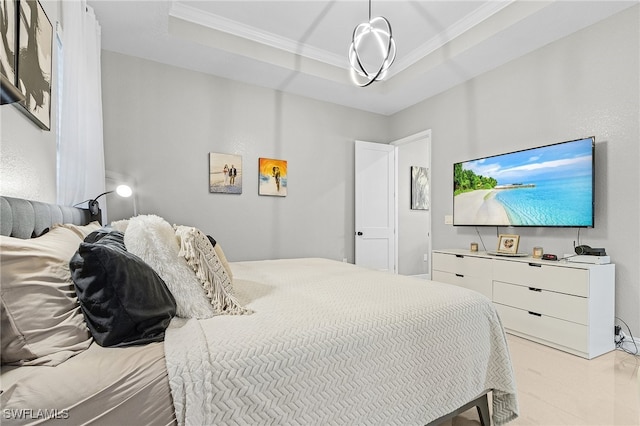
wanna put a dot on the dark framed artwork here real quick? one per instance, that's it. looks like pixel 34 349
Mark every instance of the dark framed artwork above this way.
pixel 419 188
pixel 225 173
pixel 34 62
pixel 9 51
pixel 9 48
pixel 273 177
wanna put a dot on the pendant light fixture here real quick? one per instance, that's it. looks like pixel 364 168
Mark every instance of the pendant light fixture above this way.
pixel 372 50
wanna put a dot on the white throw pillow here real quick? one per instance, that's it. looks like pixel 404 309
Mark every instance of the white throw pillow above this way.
pixel 153 239
pixel 120 225
pixel 209 268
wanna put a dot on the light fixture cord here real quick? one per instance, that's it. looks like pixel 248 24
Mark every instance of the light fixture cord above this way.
pixel 369 10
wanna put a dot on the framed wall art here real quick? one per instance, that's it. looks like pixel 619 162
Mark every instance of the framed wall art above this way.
pixel 225 173
pixel 419 188
pixel 273 177
pixel 34 62
pixel 9 51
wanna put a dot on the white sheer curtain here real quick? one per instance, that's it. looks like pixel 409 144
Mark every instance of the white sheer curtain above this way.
pixel 81 173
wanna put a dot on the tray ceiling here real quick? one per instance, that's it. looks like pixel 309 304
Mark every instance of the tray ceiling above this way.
pixel 300 46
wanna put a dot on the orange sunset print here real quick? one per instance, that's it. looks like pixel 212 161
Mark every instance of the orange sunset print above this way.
pixel 273 177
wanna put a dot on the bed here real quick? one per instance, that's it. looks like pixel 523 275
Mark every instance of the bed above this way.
pixel 288 341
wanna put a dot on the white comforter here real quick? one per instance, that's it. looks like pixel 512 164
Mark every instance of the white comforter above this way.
pixel 332 343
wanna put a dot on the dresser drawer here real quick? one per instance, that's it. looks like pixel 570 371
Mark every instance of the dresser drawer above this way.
pixel 481 285
pixel 553 331
pixel 557 305
pixel 547 277
pixel 463 265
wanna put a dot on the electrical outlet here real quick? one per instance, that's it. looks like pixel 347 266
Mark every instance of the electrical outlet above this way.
pixel 618 338
pixel 448 219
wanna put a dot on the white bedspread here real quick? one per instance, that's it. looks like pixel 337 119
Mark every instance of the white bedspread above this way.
pixel 332 343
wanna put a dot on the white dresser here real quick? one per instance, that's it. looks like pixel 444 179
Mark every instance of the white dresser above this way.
pixel 569 306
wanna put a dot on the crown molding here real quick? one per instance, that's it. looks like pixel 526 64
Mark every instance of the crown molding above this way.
pixel 198 16
pixel 450 33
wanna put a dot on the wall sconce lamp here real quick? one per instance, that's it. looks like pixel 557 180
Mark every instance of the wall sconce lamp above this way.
pixel 122 190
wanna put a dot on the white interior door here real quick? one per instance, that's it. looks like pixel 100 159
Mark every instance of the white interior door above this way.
pixel 375 206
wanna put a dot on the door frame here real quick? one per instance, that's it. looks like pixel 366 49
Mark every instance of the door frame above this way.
pixel 423 135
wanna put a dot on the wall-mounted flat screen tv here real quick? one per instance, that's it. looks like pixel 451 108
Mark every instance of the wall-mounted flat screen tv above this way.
pixel 551 185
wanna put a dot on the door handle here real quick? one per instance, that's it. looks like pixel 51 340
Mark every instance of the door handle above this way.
pixel 359 233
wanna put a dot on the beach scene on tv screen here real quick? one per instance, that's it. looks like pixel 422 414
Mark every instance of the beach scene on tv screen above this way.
pixel 546 186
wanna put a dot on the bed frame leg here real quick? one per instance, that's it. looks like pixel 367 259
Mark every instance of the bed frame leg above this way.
pixel 483 410
pixel 482 405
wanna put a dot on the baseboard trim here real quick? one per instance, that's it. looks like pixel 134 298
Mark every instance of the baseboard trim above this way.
pixel 630 345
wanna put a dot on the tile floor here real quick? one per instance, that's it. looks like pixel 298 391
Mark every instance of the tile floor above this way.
pixel 556 388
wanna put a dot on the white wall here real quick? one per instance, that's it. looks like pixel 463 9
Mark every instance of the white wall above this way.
pixel 161 123
pixel 584 85
pixel 27 153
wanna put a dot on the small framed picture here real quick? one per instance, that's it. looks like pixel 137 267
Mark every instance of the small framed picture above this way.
pixel 508 243
pixel 419 188
pixel 273 177
pixel 225 173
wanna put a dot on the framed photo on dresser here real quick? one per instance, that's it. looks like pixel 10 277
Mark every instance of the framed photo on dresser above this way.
pixel 508 243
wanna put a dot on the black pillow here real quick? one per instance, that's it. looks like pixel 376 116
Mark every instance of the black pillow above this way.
pixel 123 300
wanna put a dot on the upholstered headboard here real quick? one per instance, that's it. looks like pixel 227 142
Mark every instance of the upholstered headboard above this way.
pixel 21 218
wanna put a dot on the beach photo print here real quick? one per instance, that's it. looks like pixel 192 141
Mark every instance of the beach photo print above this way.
pixel 225 173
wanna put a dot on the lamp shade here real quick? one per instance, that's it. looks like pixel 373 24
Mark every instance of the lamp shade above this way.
pixel 124 191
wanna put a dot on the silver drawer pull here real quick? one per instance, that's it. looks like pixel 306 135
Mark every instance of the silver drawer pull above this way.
pixel 535 289
pixel 535 314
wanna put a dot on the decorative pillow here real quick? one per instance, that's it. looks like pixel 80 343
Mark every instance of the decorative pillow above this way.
pixel 120 225
pixel 200 254
pixel 221 256
pixel 153 239
pixel 124 301
pixel 81 230
pixel 42 323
